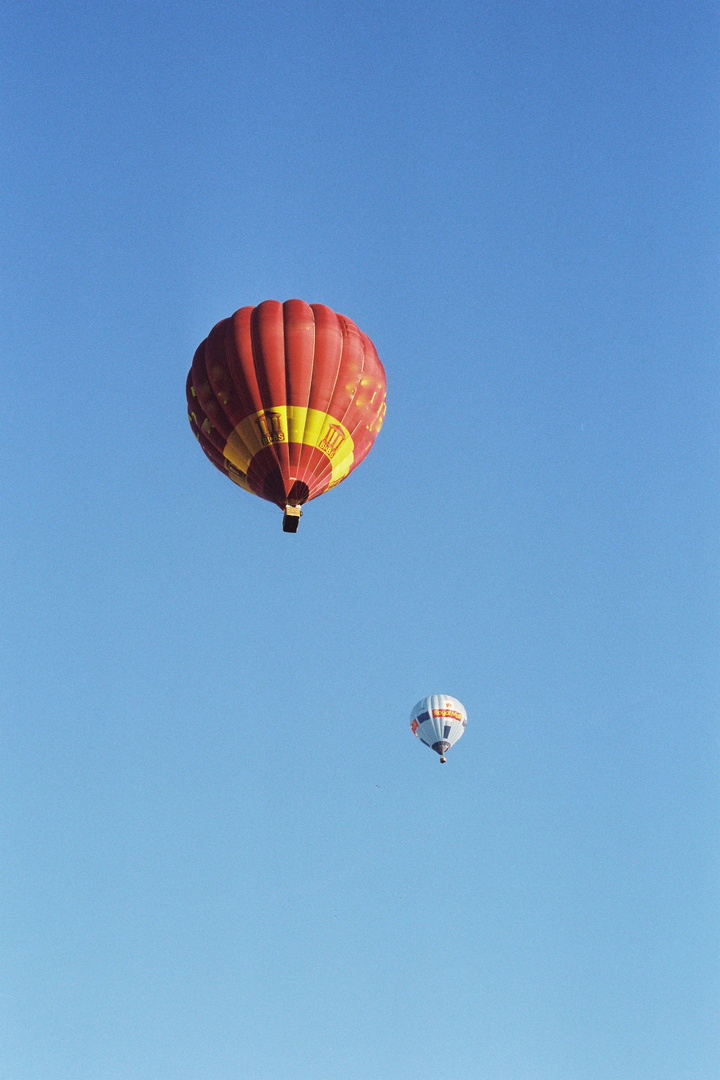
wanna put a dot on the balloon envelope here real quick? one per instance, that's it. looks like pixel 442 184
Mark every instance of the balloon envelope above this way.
pixel 286 399
pixel 438 721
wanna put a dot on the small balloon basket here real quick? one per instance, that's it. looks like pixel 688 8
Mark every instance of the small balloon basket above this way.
pixel 291 518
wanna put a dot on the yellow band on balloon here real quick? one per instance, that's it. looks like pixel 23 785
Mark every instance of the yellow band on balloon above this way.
pixel 291 423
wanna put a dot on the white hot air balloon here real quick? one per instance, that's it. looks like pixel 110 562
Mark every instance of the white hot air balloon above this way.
pixel 438 721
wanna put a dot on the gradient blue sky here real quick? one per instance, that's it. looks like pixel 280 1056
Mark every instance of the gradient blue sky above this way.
pixel 225 856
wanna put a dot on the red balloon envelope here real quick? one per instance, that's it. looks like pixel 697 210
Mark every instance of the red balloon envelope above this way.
pixel 286 400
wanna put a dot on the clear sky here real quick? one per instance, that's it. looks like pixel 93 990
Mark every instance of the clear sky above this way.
pixel 225 856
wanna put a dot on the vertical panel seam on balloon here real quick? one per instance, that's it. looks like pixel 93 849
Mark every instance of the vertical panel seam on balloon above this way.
pixel 230 338
pixel 273 447
pixel 312 373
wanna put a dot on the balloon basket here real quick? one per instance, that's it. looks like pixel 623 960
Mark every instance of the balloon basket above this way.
pixel 291 519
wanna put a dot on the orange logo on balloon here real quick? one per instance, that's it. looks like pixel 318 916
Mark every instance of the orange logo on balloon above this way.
pixel 270 428
pixel 334 437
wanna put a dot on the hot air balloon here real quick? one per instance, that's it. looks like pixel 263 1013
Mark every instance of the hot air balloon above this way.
pixel 438 721
pixel 286 400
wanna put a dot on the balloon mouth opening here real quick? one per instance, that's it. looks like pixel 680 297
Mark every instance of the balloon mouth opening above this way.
pixel 299 493
pixel 274 489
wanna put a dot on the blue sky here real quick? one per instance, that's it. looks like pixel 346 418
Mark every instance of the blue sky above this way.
pixel 226 858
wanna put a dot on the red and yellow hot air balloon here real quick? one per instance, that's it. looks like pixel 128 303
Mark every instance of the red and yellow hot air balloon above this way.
pixel 286 400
